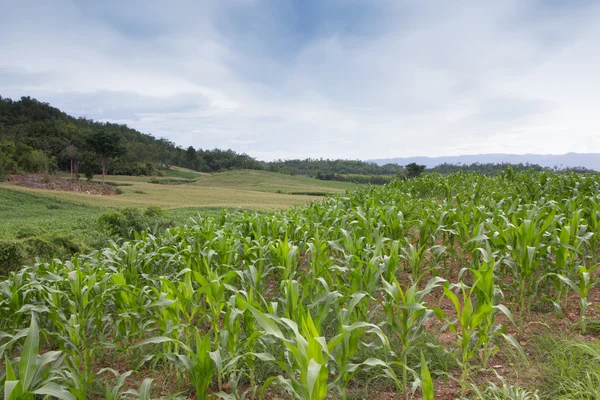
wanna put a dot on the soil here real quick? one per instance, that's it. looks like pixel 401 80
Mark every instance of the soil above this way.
pixel 49 182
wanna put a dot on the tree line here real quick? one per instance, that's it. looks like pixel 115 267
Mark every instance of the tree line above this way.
pixel 36 137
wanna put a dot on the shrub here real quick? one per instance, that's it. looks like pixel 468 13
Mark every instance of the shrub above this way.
pixel 63 243
pixel 130 219
pixel 41 248
pixel 12 255
pixel 27 231
pixel 154 212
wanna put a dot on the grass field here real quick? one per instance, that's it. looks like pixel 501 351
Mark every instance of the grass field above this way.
pixel 248 189
pixel 264 181
pixel 179 172
pixel 29 216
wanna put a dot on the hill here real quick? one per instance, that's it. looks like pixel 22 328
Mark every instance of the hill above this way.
pixel 569 160
pixel 36 137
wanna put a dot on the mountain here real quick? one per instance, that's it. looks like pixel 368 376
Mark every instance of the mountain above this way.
pixel 569 160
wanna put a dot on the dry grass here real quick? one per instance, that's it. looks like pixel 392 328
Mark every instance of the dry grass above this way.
pixel 247 189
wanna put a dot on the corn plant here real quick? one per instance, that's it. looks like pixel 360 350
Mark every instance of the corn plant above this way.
pixel 197 364
pixel 407 314
pixel 115 392
pixel 581 285
pixel 308 358
pixel 36 373
pixel 469 326
pixel 486 294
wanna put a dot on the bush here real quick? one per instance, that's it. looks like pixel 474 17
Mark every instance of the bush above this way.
pixel 27 231
pixel 34 244
pixel 154 212
pixel 12 255
pixel 63 243
pixel 128 220
pixel 42 248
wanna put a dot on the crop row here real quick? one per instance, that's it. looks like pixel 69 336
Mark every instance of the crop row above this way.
pixel 317 301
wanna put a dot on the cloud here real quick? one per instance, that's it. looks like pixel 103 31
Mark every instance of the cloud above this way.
pixel 287 79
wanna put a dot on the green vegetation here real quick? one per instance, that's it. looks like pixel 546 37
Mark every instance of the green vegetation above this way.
pixel 425 286
pixel 497 168
pixel 47 224
pixel 333 169
pixel 36 137
pixel 263 181
pixel 571 368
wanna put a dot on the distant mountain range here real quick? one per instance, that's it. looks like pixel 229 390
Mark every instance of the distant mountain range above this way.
pixel 586 160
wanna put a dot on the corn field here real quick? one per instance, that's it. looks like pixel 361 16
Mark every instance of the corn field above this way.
pixel 398 289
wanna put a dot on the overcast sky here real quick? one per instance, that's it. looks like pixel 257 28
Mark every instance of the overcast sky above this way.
pixel 325 78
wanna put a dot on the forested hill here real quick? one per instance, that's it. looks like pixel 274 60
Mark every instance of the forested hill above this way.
pixel 36 137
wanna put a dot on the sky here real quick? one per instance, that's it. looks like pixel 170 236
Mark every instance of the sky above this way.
pixel 279 79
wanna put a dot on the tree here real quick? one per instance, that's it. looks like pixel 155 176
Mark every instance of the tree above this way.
pixel 105 142
pixel 191 158
pixel 413 170
pixel 73 154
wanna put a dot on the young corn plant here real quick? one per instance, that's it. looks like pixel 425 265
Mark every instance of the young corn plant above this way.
pixel 344 353
pixel 285 256
pixel 115 392
pixel 526 246
pixel 196 363
pixel 584 281
pixel 469 327
pixel 36 373
pixel 407 314
pixel 486 294
pixel 308 358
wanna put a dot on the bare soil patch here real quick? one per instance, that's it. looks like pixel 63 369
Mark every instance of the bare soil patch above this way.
pixel 49 182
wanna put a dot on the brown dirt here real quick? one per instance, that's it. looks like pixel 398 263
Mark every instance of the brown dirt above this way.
pixel 49 182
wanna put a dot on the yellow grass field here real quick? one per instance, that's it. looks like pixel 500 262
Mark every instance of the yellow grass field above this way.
pixel 241 188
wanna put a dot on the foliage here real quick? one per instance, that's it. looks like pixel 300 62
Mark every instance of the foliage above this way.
pixel 129 220
pixel 12 254
pixel 413 170
pixel 572 368
pixel 324 300
pixel 36 136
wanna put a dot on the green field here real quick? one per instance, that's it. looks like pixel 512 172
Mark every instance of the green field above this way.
pixel 48 223
pixel 441 287
pixel 240 188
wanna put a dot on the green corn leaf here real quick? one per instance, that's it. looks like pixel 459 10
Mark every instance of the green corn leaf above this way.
pixel 12 390
pixel 10 372
pixel 426 381
pixel 313 373
pixel 267 323
pixel 54 390
pixel 161 339
pixel 513 342
pixel 29 355
pixel 145 389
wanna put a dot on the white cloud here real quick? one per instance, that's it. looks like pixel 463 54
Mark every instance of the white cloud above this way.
pixel 427 78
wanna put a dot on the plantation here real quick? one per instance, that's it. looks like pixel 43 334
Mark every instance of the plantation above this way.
pixel 458 286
